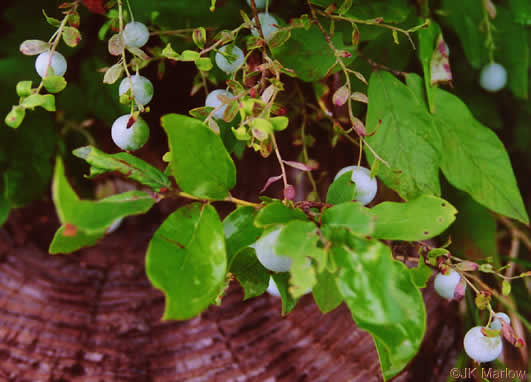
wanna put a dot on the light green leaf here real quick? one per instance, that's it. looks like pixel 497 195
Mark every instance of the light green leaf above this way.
pixel 251 274
pixel 404 136
pixel 422 218
pixel 350 215
pixel 298 240
pixel 186 259
pixel 124 163
pixel 70 243
pixel 427 37
pixel 421 273
pixel 15 117
pixel 240 231
pixel 325 292
pixel 54 84
pixel 277 213
pixel 47 101
pixel 343 189
pixel 199 162
pixel 383 300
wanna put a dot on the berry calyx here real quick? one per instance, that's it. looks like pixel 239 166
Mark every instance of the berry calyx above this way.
pixel 445 284
pixel 229 65
pixel 268 257
pixel 493 77
pixel 142 88
pixel 212 100
pixel 57 65
pixel 480 347
pixel 366 186
pixel 129 135
pixel 135 34
pixel 267 22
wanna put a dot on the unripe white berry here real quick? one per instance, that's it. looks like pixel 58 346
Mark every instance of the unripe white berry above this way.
pixel 480 347
pixel 366 186
pixel 212 100
pixel 268 257
pixel 142 88
pixel 272 288
pixel 493 77
pixel 58 64
pixel 268 29
pixel 129 138
pixel 260 4
pixel 445 284
pixel 224 63
pixel 496 324
pixel 135 34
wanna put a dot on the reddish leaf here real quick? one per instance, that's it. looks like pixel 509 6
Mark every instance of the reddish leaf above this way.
pixel 95 6
pixel 289 192
pixel 299 165
pixel 341 95
pixel 459 291
pixel 270 181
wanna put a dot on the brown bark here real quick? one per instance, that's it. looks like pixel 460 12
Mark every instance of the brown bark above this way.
pixel 93 316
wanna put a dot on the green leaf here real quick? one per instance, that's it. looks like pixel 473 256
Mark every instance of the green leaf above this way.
pixel 199 162
pixel 94 216
pixel 521 11
pixel 47 101
pixel 392 11
pixel 124 163
pixel 466 17
pixel 404 136
pixel 383 301
pixel 308 53
pixel 51 20
pixel 186 259
pixel 427 38
pixel 282 281
pixel 326 293
pixel 512 50
pixel 350 215
pixel 190 55
pixel 277 213
pixel 298 240
pixel 71 36
pixel 23 88
pixel 62 244
pixel 54 84
pixel 15 117
pixel 474 159
pixel 204 64
pixel 419 219
pixel 474 231
pixel 279 123
pixel 421 273
pixel 4 209
pixel 343 189
pixel 240 231
pixel 251 274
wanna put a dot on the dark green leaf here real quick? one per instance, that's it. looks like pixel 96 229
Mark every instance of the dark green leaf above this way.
pixel 419 219
pixel 124 163
pixel 521 11
pixel 277 213
pixel 392 11
pixel 350 215
pixel 427 38
pixel 251 274
pixel 308 53
pixel 4 209
pixel 240 231
pixel 186 259
pixel 325 292
pixel 282 282
pixel 199 162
